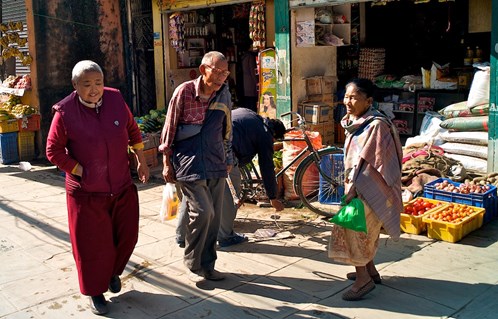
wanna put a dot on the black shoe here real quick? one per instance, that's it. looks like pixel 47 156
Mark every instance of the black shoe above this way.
pixel 98 305
pixel 233 240
pixel 213 275
pixel 180 242
pixel 115 284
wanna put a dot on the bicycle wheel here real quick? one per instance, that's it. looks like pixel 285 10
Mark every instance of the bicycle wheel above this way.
pixel 319 181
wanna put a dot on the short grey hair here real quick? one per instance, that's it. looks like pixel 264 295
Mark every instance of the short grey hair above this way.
pixel 83 67
pixel 212 56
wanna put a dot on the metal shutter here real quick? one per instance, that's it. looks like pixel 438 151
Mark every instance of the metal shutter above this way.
pixel 15 10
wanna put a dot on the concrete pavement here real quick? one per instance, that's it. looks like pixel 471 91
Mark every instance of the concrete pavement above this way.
pixel 287 277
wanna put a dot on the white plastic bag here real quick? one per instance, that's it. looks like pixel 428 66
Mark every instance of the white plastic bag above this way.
pixel 479 89
pixel 169 205
pixel 430 124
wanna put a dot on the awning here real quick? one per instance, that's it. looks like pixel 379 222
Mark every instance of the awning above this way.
pixel 320 3
pixel 184 5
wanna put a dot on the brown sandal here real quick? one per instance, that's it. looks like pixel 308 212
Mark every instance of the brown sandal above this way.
pixel 376 278
pixel 351 295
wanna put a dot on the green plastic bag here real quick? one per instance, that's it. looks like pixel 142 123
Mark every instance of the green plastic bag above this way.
pixel 351 216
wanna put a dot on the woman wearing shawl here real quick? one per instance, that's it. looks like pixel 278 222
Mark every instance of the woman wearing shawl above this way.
pixel 372 163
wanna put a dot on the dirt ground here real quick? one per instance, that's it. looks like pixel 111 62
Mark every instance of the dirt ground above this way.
pixel 251 217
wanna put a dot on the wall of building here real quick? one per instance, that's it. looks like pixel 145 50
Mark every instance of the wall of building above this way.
pixel 160 38
pixel 308 61
pixel 63 32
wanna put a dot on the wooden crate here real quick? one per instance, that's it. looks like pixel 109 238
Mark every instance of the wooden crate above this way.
pixel 150 159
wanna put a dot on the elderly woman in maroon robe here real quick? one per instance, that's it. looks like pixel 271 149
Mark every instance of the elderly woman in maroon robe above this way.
pixel 89 138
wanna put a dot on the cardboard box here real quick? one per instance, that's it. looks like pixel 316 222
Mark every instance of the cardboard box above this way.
pixel 328 138
pixel 329 98
pixel 326 131
pixel 320 85
pixel 316 128
pixel 339 134
pixel 316 113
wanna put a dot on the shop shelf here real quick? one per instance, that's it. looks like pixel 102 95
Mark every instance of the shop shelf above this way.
pixel 414 224
pixel 332 165
pixel 454 232
pixel 487 200
pixel 8 148
pixel 26 145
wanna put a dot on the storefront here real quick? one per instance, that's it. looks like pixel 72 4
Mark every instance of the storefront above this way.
pixel 241 30
pixel 19 115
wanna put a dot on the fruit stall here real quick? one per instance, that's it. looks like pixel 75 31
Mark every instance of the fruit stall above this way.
pixel 450 210
pixel 150 126
pixel 19 121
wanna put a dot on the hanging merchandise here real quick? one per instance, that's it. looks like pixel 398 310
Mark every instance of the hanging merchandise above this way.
pixel 11 42
pixel 177 31
pixel 241 11
pixel 257 32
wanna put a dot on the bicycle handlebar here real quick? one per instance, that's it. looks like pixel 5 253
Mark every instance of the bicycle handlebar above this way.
pixel 301 121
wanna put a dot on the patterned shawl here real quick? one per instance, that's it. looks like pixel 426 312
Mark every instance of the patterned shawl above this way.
pixel 373 165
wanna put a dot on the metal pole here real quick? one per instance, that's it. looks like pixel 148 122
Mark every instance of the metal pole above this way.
pixel 493 98
pixel 282 45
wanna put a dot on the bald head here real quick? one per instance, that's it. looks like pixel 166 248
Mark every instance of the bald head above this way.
pixel 212 57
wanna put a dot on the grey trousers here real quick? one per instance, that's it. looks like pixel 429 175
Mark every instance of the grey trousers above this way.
pixel 204 201
pixel 228 214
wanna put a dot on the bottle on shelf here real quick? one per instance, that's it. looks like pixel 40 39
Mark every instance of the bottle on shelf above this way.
pixel 478 55
pixel 469 56
pixel 211 16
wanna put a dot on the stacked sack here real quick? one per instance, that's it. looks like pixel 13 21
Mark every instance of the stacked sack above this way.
pixel 467 123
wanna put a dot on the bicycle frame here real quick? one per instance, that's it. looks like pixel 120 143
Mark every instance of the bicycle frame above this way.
pixel 309 148
pixel 317 195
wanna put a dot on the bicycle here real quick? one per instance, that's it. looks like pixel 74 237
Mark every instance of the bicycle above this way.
pixel 321 195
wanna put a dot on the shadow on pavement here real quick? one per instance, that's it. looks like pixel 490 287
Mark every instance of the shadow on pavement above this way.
pixel 432 297
pixel 35 222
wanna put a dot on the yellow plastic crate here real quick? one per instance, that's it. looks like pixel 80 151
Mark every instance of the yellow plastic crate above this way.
pixel 414 224
pixel 453 232
pixel 26 145
pixel 9 126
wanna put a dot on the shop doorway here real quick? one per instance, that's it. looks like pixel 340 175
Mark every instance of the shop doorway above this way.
pixel 142 56
pixel 223 28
